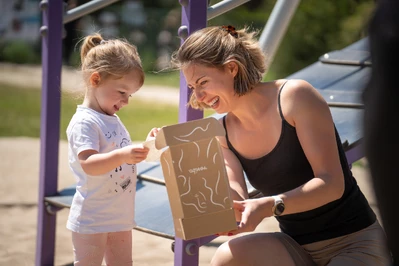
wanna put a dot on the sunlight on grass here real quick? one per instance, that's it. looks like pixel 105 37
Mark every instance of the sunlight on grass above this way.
pixel 20 114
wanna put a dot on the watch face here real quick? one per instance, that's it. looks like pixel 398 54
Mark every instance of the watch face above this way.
pixel 280 207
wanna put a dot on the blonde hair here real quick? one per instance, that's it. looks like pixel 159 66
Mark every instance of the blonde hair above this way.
pixel 215 47
pixel 110 58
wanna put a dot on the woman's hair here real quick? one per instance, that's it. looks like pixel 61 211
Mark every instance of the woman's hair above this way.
pixel 216 46
pixel 110 58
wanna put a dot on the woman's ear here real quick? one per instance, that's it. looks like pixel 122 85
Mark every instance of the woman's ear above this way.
pixel 232 68
pixel 95 79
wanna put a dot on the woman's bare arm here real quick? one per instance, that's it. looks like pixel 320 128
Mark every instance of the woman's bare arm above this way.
pixel 305 109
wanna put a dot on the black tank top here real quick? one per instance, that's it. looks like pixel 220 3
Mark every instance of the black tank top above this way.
pixel 285 168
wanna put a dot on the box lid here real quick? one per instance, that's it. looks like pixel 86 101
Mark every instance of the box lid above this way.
pixel 193 130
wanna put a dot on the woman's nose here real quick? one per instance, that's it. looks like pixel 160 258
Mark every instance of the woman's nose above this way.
pixel 199 94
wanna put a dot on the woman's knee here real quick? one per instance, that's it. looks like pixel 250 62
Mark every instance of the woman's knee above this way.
pixel 253 249
pixel 224 256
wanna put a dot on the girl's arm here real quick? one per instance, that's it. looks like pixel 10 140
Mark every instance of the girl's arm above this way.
pixel 94 163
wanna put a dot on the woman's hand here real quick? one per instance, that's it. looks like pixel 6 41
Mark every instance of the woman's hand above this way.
pixel 153 133
pixel 253 211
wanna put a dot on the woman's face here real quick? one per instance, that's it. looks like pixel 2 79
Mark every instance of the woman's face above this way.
pixel 212 86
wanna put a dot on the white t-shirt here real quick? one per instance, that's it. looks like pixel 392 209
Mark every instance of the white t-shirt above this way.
pixel 102 203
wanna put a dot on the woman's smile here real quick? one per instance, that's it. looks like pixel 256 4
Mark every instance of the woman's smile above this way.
pixel 213 102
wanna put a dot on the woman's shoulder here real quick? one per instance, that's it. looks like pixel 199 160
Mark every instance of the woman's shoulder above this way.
pixel 294 85
pixel 298 90
pixel 299 96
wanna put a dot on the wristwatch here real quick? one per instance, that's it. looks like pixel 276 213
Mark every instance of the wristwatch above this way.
pixel 278 207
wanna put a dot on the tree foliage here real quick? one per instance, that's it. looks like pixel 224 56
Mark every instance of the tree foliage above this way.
pixel 317 27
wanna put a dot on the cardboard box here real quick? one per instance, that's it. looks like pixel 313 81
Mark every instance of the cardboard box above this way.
pixel 196 179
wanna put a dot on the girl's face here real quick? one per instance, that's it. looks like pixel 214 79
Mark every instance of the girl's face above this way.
pixel 110 95
pixel 212 86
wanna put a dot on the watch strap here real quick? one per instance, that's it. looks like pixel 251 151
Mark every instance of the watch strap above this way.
pixel 277 201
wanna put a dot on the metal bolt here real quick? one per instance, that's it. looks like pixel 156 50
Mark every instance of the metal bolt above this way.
pixel 43 5
pixel 43 31
pixel 182 32
pixel 191 249
pixel 51 209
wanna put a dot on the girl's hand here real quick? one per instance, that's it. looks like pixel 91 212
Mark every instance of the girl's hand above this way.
pixel 253 211
pixel 153 133
pixel 133 154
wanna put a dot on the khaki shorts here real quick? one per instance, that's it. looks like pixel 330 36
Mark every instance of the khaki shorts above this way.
pixel 362 248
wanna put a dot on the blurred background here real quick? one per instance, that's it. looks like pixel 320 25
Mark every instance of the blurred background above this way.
pixel 317 27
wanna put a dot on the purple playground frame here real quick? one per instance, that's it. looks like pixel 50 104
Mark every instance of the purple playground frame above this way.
pixel 195 14
pixel 51 32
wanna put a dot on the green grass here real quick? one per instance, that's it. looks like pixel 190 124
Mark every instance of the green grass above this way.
pixel 20 109
pixel 359 163
pixel 169 79
pixel 20 113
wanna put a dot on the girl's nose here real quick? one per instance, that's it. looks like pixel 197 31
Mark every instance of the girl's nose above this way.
pixel 125 100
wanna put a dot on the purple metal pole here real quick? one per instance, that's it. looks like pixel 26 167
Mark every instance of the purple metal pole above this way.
pixel 355 153
pixel 186 252
pixel 193 18
pixel 50 125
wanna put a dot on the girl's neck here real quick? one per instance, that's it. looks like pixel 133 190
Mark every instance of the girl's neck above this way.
pixel 92 105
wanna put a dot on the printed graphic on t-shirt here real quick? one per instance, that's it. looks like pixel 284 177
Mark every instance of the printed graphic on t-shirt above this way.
pixel 125 142
pixel 108 135
pixel 121 178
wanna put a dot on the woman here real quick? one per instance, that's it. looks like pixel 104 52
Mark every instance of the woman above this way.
pixel 281 134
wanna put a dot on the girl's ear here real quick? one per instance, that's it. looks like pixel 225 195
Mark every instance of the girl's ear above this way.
pixel 95 79
pixel 232 68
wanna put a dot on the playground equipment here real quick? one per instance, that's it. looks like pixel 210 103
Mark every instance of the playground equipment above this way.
pixel 338 75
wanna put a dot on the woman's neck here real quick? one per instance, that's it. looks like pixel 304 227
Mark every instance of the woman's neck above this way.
pixel 252 106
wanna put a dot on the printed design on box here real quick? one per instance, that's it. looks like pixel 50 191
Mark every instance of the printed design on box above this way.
pixel 199 176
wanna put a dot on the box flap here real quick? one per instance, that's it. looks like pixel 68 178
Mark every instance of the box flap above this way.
pixel 189 131
pixel 205 225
